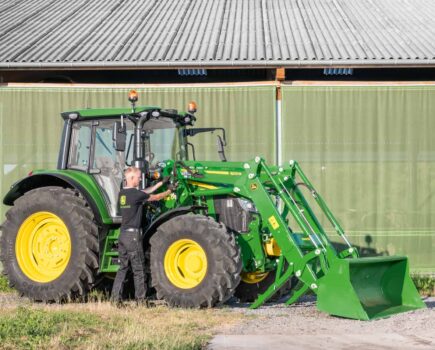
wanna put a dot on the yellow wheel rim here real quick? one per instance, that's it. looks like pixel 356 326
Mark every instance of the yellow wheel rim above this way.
pixel 253 277
pixel 43 247
pixel 185 263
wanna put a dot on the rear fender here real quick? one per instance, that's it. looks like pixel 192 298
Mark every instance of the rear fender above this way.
pixel 97 205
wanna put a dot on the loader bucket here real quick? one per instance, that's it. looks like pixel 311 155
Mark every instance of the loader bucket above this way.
pixel 368 288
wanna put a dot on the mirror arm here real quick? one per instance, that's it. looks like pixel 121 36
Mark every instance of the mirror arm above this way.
pixel 194 131
pixel 221 151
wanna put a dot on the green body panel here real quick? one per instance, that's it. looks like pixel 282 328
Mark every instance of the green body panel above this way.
pixel 88 183
pixel 252 249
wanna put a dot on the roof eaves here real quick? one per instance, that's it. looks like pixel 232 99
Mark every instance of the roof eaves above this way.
pixel 221 64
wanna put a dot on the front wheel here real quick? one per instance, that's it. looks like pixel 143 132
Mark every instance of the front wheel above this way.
pixel 195 262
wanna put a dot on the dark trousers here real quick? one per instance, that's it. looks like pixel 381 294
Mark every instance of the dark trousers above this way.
pixel 130 253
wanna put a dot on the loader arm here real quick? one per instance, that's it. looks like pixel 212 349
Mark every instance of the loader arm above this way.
pixel 366 287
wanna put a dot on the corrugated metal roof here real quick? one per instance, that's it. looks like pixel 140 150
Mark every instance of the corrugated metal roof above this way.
pixel 207 33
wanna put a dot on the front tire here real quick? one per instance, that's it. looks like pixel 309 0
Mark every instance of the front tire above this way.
pixel 49 245
pixel 195 262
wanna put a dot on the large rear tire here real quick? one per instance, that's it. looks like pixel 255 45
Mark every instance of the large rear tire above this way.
pixel 49 245
pixel 195 262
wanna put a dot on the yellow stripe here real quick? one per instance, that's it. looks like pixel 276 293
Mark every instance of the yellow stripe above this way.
pixel 200 184
pixel 216 172
pixel 220 172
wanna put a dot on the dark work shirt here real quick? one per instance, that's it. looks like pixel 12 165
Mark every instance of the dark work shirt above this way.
pixel 130 203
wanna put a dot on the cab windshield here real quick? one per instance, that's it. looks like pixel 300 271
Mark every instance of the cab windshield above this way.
pixel 161 141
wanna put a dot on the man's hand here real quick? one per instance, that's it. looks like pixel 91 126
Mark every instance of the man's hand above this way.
pixel 152 189
pixel 172 187
pixel 159 196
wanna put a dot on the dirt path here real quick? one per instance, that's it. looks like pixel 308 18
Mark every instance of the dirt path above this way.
pixel 301 326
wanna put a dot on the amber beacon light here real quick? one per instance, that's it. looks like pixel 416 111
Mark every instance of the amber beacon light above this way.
pixel 132 96
pixel 191 107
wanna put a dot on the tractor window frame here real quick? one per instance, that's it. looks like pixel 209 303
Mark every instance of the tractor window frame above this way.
pixel 98 142
pixel 75 141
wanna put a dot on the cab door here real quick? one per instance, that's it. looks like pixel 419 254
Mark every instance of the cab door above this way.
pixel 108 164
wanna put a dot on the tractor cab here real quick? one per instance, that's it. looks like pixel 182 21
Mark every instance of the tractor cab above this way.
pixel 103 142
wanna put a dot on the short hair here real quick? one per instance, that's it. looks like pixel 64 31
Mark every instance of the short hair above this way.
pixel 131 170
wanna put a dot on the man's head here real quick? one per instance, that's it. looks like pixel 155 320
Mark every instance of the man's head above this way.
pixel 132 176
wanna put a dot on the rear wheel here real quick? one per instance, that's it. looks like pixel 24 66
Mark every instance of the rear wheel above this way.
pixel 195 262
pixel 49 245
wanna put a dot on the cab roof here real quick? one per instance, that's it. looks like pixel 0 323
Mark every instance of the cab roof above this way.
pixel 93 113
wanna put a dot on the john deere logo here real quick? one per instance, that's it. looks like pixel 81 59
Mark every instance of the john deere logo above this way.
pixel 123 200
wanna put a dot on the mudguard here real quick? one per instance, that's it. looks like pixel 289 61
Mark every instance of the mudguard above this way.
pixel 80 181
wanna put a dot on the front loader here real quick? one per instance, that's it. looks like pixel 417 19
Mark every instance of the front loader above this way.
pixel 241 229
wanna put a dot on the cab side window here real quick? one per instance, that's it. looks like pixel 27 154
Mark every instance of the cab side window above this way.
pixel 80 145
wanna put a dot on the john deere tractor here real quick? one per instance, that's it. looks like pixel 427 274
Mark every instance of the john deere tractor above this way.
pixel 242 229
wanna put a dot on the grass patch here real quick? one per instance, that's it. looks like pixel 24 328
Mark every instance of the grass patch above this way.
pixel 100 325
pixel 425 284
pixel 28 328
pixel 161 327
pixel 4 285
pixel 98 296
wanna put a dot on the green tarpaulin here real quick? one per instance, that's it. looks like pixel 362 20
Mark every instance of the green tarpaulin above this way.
pixel 370 151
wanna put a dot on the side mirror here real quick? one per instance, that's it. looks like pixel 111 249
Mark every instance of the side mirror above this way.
pixel 220 149
pixel 119 136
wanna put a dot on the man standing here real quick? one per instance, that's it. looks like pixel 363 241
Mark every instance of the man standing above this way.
pixel 130 247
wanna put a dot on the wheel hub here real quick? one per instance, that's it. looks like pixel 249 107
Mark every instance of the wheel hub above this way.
pixel 43 247
pixel 185 263
pixel 253 277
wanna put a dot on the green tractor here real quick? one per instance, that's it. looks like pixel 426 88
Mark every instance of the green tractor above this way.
pixel 241 229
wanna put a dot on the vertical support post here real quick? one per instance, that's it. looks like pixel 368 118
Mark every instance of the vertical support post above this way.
pixel 279 77
pixel 278 132
pixel 278 126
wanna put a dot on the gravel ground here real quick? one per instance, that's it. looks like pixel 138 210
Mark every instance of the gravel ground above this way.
pixel 302 326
